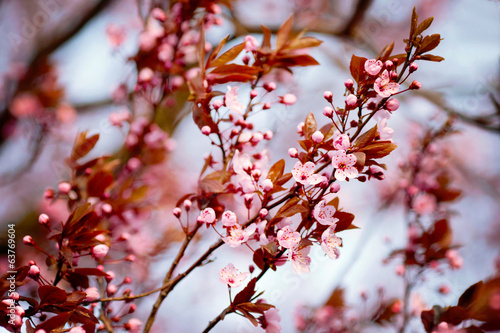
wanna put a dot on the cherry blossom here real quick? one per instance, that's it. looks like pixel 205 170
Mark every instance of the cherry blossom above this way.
pixel 324 213
pixel 232 102
pixel 300 259
pixel 100 251
pixel 207 216
pixel 288 238
pixel 384 132
pixel 229 219
pixel 373 66
pixel 383 85
pixel 231 276
pixel 344 165
pixel 250 43
pixel 330 243
pixel 304 174
pixel 273 319
pixel 341 141
pixel 238 236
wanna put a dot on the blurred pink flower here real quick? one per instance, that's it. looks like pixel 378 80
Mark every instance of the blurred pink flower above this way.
pixel 231 276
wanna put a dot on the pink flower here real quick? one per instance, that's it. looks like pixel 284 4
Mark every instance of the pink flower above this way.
pixel 100 251
pixel 330 243
pixel 207 216
pixel 384 131
pixel 383 85
pixel 300 260
pixel 117 118
pixel 344 165
pixel 238 236
pixel 250 43
pixel 92 294
pixel 229 219
pixel 424 204
pixel 304 174
pixel 232 102
pixel 231 276
pixel 324 214
pixel 116 35
pixel 133 325
pixel 341 141
pixel 288 99
pixel 288 238
pixel 373 66
pixel 272 318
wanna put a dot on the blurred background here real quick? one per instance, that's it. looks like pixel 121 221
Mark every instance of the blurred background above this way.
pixel 68 50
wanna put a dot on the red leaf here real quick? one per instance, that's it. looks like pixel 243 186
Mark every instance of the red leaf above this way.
pixel 357 67
pixel 83 145
pixel 54 323
pixel 51 295
pixel 284 32
pixel 276 170
pixel 98 183
pixel 246 294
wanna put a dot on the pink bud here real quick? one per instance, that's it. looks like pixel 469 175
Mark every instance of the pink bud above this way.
pixel 107 208
pixel 127 280
pixel 177 212
pixel 266 106
pixel 293 152
pixel 351 100
pixel 145 75
pixel 389 64
pixel 348 84
pixel 217 104
pixel 392 104
pixel 100 251
pixel 288 99
pixel 257 137
pixel 14 296
pixel 111 289
pixel 328 95
pixel 267 185
pixel 92 294
pixel 263 213
pixel 268 135
pixel 415 85
pixel 159 14
pixel 48 194
pixel 256 174
pixel 317 136
pixel 328 112
pixel 111 275
pixel 43 219
pixel 300 128
pixel 206 130
pixel 253 94
pixel 132 308
pixel 129 258
pixel 335 187
pixel 28 240
pixel 187 204
pixel 270 86
pixel 444 289
pixel 34 271
pixel 64 187
pixel 413 67
pixel 248 200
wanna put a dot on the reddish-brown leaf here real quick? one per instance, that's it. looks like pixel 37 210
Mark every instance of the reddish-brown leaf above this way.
pixel 430 57
pixel 378 149
pixel 83 145
pixel 98 183
pixel 51 295
pixel 357 67
pixel 310 125
pixel 424 25
pixel 345 220
pixel 246 294
pixel 216 51
pixel 366 138
pixel 54 323
pixel 294 60
pixel 414 22
pixel 266 41
pixel 429 43
pixel 302 43
pixel 276 170
pixel 284 32
pixel 235 69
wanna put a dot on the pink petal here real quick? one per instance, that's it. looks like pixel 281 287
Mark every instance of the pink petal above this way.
pixel 309 168
pixel 340 175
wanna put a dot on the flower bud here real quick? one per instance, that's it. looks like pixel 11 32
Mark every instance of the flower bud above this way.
pixel 267 185
pixel 335 187
pixel 64 187
pixel 266 106
pixel 328 95
pixel 349 84
pixel 288 99
pixel 92 294
pixel 159 14
pixel 415 85
pixel 43 219
pixel 317 137
pixel 187 204
pixel 28 240
pixel 263 213
pixel 293 152
pixel 177 212
pixel 100 251
pixel 206 130
pixel 328 112
pixel 253 94
pixel 110 276
pixel 248 200
pixel 48 194
pixel 217 104
pixel 34 271
pixel 413 67
pixel 268 135
pixel 392 104
pixel 351 101
pixel 127 280
pixel 111 289
pixel 270 86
